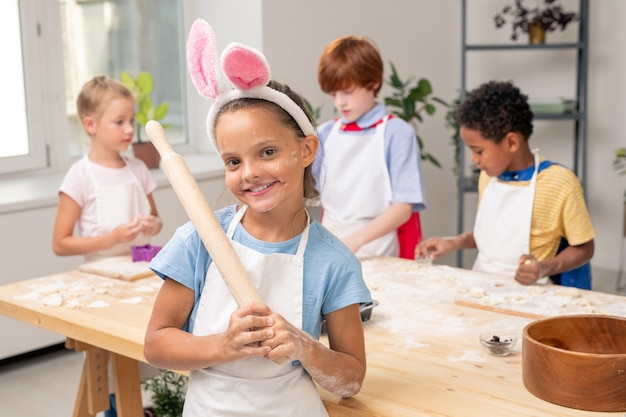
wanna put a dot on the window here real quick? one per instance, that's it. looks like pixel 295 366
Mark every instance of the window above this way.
pixel 22 145
pixel 110 36
pixel 52 48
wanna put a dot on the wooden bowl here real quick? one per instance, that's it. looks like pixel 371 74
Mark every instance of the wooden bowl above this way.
pixel 577 361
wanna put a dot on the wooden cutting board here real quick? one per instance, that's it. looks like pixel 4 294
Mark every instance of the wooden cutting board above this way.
pixel 118 267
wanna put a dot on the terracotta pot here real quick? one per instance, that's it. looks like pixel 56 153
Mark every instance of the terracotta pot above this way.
pixel 577 361
pixel 147 153
pixel 536 34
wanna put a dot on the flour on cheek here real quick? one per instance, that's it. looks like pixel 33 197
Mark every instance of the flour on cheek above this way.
pixel 294 159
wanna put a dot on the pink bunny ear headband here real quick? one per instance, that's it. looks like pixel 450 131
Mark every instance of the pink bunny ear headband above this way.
pixel 245 68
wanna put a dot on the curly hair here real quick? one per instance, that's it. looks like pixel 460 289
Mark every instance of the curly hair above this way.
pixel 496 109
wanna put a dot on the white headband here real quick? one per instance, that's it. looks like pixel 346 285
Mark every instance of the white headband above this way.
pixel 247 70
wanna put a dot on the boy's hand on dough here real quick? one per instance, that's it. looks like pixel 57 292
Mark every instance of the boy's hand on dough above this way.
pixel 528 270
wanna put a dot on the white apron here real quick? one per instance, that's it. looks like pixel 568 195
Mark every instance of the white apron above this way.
pixel 362 190
pixel 502 225
pixel 116 205
pixel 254 386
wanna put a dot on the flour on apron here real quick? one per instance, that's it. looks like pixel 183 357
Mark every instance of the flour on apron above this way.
pixel 116 205
pixel 356 186
pixel 253 386
pixel 502 225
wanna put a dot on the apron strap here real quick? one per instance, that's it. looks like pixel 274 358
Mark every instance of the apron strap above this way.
pixel 239 215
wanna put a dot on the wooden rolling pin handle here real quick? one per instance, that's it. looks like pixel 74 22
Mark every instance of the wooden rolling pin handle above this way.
pixel 201 215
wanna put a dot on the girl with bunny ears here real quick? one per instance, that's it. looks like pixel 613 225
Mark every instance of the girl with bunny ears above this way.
pixel 304 274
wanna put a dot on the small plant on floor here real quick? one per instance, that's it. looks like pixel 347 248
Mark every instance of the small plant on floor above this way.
pixel 168 393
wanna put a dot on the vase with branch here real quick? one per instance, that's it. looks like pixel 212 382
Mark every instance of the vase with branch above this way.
pixel 536 19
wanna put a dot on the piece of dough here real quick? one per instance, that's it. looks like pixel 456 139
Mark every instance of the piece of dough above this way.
pixel 52 300
pixel 99 304
pixel 569 292
pixel 132 300
pixel 477 292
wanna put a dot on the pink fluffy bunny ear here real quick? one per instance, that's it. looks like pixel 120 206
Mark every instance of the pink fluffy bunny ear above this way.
pixel 202 58
pixel 245 67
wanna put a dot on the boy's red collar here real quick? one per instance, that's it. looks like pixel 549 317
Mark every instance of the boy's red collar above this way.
pixel 353 127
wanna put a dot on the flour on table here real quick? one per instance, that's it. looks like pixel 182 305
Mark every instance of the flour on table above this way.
pixel 98 304
pixel 52 300
pixel 468 356
pixel 145 288
pixel 477 292
pixel 29 296
pixel 570 292
pixel 132 300
pixel 436 283
pixel 536 289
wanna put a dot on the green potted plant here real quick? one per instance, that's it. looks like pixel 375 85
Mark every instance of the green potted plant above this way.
pixel 546 16
pixel 410 103
pixel 455 139
pixel 619 165
pixel 141 87
pixel 457 142
pixel 168 390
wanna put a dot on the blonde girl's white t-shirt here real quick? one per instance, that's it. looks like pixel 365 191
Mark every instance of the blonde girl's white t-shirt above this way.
pixel 79 186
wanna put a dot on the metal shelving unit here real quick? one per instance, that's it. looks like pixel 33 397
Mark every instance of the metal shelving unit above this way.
pixel 578 117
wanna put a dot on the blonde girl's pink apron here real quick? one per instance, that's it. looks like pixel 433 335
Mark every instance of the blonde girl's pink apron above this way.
pixel 356 186
pixel 254 386
pixel 116 205
pixel 502 225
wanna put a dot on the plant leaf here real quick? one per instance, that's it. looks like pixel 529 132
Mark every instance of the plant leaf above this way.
pixel 145 83
pixel 424 86
pixel 141 118
pixel 161 111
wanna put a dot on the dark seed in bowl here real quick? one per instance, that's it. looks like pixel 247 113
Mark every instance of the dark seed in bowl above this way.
pixel 497 345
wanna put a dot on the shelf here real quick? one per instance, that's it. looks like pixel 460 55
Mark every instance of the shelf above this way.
pixel 508 47
pixel 470 185
pixel 558 116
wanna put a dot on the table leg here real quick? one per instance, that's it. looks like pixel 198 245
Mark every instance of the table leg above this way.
pixel 127 386
pixel 93 390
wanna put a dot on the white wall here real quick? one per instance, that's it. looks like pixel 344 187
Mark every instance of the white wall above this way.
pixel 423 38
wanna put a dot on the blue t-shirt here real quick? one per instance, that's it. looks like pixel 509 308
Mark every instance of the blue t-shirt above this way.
pixel 402 155
pixel 333 278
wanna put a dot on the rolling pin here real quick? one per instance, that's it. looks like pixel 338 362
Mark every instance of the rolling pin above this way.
pixel 201 215
pixel 499 310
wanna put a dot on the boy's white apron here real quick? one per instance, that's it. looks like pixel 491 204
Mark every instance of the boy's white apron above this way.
pixel 356 187
pixel 502 225
pixel 253 386
pixel 116 205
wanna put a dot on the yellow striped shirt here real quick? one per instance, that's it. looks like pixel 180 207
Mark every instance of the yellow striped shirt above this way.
pixel 559 210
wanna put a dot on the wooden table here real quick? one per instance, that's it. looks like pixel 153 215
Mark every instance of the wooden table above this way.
pixel 424 358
